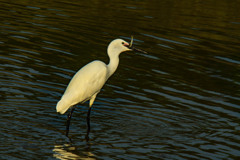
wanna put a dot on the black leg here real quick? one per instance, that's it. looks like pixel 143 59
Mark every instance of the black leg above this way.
pixel 68 120
pixel 88 118
pixel 88 123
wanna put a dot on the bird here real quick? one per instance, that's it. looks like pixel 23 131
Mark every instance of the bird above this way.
pixel 89 80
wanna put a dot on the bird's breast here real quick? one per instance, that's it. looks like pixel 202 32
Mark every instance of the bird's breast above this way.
pixel 86 82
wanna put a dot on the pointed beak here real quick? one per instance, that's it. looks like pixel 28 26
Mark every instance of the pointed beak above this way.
pixel 133 48
pixel 139 50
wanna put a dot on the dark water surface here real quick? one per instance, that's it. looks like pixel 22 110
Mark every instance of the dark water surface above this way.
pixel 181 101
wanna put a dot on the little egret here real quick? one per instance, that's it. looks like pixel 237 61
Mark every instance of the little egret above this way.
pixel 88 81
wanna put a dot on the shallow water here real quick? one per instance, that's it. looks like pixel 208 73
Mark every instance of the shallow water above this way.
pixel 180 101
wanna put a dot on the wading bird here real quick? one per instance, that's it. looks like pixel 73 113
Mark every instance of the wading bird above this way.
pixel 88 81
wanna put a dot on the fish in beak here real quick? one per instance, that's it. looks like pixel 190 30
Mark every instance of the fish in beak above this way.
pixel 133 48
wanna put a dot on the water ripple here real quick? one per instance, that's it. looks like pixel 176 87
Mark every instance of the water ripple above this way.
pixel 180 101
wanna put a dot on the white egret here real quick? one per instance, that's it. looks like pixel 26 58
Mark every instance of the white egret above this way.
pixel 88 81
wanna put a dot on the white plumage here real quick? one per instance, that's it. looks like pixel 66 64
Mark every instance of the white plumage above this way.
pixel 88 81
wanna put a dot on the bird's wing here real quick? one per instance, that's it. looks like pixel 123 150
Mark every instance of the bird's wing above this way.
pixel 85 83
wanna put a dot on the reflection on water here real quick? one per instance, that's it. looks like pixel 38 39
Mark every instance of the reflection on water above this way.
pixel 64 152
pixel 181 101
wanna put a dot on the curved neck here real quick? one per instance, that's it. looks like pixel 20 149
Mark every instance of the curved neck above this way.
pixel 113 64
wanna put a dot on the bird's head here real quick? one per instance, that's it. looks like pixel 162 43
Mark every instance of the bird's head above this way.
pixel 118 46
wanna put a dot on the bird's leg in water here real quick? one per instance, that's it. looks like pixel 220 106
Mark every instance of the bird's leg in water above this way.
pixel 88 119
pixel 88 123
pixel 68 120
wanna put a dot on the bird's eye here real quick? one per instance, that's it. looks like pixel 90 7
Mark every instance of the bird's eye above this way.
pixel 122 42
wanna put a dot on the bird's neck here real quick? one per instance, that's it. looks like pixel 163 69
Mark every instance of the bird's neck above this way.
pixel 113 64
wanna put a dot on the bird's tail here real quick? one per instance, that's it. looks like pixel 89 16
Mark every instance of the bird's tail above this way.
pixel 61 107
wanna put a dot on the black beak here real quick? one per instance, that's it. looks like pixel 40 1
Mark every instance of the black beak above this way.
pixel 139 50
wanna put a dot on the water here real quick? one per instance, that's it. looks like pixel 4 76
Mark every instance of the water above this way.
pixel 181 101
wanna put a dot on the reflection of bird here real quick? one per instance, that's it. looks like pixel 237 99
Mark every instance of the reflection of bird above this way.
pixel 88 81
pixel 67 151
